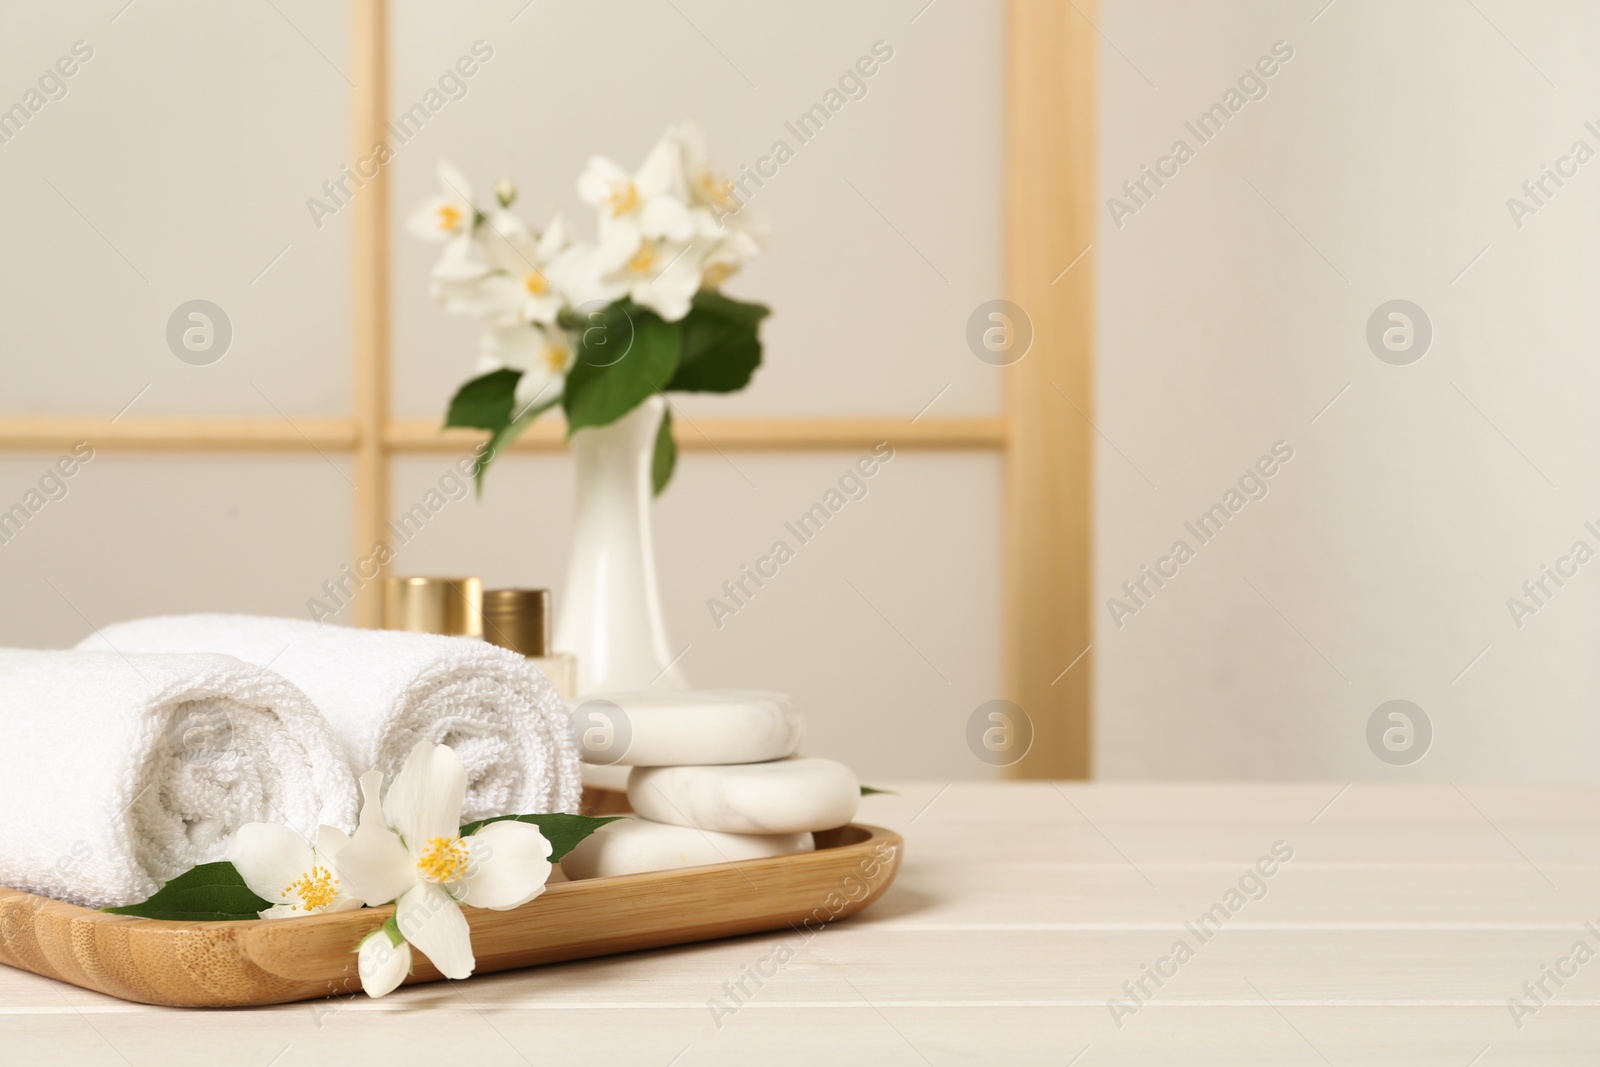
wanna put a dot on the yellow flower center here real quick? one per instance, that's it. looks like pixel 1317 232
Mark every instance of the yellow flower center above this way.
pixel 449 217
pixel 717 189
pixel 717 273
pixel 445 860
pixel 316 889
pixel 624 197
pixel 555 358
pixel 643 259
pixel 536 283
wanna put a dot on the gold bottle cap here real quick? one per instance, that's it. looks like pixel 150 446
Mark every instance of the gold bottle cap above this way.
pixel 518 619
pixel 452 606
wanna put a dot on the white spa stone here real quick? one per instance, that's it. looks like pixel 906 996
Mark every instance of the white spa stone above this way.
pixel 784 796
pixel 634 845
pixel 668 729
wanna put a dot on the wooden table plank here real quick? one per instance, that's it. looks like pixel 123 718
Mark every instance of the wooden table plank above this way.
pixel 1405 920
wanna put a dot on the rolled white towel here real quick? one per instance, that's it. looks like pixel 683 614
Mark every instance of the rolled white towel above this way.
pixel 382 691
pixel 121 772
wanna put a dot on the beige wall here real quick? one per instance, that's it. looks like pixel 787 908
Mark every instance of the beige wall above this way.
pixel 1233 310
pixel 191 142
pixel 175 167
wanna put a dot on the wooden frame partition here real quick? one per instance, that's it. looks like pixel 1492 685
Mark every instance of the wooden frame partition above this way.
pixel 1049 221
pixel 369 66
pixel 1050 232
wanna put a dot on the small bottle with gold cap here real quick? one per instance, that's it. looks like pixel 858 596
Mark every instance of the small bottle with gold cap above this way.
pixel 451 606
pixel 519 619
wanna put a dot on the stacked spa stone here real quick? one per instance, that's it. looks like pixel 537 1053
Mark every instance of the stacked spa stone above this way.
pixel 712 776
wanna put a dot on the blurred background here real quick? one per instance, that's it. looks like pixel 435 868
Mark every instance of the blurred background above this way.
pixel 1211 318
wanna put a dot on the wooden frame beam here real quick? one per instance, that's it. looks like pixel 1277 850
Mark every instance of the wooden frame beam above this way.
pixel 401 436
pixel 38 433
pixel 780 435
pixel 369 67
pixel 1050 223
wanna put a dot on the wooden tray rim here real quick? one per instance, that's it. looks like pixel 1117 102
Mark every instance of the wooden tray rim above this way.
pixel 79 929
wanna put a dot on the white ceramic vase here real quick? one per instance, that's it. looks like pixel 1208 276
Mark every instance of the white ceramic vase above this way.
pixel 610 613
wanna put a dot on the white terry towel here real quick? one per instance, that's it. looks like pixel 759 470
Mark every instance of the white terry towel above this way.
pixel 382 691
pixel 120 772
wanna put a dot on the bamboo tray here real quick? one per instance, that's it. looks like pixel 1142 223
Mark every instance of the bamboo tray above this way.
pixel 232 964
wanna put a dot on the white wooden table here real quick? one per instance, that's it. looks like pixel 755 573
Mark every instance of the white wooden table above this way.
pixel 1405 920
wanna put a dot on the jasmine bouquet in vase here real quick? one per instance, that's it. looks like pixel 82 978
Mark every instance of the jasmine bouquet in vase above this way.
pixel 605 327
pixel 599 326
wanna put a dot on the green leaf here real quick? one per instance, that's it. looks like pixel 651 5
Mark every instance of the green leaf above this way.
pixel 606 382
pixel 726 355
pixel 666 454
pixel 721 345
pixel 485 402
pixel 562 831
pixel 868 791
pixel 211 892
pixel 488 402
pixel 505 434
pixel 710 300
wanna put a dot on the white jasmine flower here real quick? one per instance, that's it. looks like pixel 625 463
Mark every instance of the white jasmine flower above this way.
pixel 450 215
pixel 544 355
pixel 634 208
pixel 661 275
pixel 408 849
pixel 277 865
pixel 709 189
pixel 716 208
pixel 725 258
pixel 507 273
pixel 383 960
